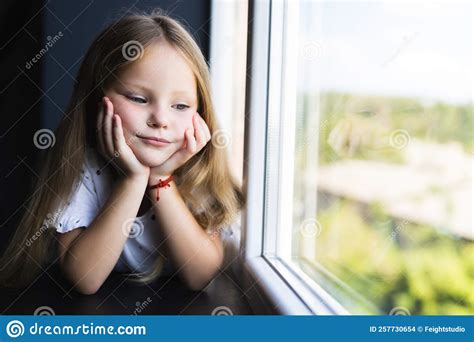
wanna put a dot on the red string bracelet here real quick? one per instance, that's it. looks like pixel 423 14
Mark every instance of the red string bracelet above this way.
pixel 161 184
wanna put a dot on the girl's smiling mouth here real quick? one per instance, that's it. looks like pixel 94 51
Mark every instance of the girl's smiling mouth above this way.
pixel 159 142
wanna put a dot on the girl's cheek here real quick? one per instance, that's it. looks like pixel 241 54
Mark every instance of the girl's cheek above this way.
pixel 188 124
pixel 122 109
pixel 129 131
pixel 124 112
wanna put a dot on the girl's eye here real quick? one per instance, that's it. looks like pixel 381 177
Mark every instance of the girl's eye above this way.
pixel 137 99
pixel 181 106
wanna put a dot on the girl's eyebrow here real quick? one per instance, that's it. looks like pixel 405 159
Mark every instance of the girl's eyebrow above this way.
pixel 176 92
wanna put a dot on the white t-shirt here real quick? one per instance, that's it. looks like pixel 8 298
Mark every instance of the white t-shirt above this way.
pixel 145 239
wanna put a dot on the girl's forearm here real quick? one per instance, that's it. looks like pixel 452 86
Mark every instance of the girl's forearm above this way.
pixel 93 255
pixel 195 254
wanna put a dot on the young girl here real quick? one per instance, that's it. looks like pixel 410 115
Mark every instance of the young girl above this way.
pixel 134 182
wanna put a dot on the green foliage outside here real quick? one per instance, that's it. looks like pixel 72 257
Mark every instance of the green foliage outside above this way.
pixel 393 263
pixel 388 262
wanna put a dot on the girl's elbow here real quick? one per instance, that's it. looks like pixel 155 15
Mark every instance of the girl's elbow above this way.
pixel 196 285
pixel 200 282
pixel 87 288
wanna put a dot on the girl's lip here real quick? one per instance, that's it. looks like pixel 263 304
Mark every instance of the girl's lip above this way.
pixel 154 142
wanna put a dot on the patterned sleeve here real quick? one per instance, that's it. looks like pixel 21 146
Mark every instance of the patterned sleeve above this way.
pixel 82 207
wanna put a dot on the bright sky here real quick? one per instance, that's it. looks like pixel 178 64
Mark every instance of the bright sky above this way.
pixel 419 49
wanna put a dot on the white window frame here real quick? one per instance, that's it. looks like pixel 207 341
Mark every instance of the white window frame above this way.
pixel 227 71
pixel 271 101
pixel 227 91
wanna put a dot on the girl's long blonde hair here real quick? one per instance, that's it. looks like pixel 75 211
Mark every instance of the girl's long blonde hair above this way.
pixel 34 246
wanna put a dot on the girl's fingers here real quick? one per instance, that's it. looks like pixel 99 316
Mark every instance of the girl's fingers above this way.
pixel 119 138
pixel 190 141
pixel 107 131
pixel 205 133
pixel 100 114
pixel 197 130
pixel 100 136
pixel 194 139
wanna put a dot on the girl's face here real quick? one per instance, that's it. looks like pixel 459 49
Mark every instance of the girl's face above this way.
pixel 155 96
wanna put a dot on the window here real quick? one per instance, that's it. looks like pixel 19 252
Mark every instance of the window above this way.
pixel 366 159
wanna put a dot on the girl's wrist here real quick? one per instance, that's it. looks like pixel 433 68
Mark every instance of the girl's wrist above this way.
pixel 159 186
pixel 155 179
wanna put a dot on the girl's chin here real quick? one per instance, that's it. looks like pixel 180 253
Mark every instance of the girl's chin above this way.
pixel 151 159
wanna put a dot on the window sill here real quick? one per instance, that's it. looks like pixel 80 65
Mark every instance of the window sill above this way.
pixel 287 290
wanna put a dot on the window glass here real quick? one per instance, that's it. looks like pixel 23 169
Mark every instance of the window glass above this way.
pixel 382 213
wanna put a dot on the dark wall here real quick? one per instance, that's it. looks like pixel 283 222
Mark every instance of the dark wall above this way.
pixel 20 107
pixel 34 95
pixel 80 21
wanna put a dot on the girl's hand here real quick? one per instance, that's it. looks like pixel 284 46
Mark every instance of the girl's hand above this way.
pixel 193 143
pixel 112 144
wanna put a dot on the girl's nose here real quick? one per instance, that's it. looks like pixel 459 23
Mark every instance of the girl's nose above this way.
pixel 158 119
